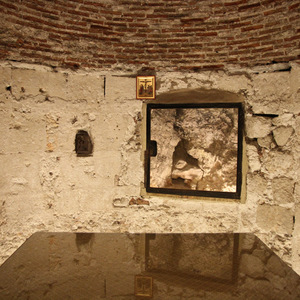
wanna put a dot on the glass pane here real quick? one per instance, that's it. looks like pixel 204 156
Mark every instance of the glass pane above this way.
pixel 197 149
pixel 162 266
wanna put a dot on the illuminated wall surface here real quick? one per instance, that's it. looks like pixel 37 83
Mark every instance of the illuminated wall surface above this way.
pixel 163 266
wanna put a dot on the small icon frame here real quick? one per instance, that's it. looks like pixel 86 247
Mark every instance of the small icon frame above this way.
pixel 145 87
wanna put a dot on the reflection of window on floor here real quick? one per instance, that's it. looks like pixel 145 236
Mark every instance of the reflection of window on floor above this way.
pixel 212 257
pixel 194 149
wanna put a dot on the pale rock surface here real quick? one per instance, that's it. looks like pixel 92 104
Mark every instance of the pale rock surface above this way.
pixel 257 187
pixel 266 142
pixel 248 218
pixel 258 127
pixel 253 158
pixel 285 119
pixel 269 96
pixel 297 192
pixel 275 218
pixel 282 134
pixel 283 190
pixel 276 163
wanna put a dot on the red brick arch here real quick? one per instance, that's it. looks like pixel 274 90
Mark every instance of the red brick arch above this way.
pixel 172 34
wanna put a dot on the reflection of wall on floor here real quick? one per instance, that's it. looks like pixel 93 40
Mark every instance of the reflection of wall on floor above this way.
pixel 103 266
pixel 205 256
pixel 69 266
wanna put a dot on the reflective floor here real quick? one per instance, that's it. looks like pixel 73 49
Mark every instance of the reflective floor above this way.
pixel 146 266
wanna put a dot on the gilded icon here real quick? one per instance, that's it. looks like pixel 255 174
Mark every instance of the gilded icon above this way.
pixel 145 87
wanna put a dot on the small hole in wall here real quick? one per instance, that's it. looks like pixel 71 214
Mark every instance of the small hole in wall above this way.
pixel 83 144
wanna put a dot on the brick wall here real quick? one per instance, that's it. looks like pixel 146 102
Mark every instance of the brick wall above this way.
pixel 168 34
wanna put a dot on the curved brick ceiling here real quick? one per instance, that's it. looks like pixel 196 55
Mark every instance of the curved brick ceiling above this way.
pixel 164 34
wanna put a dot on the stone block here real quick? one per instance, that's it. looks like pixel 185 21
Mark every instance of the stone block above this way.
pixel 266 142
pixel 283 189
pixel 248 218
pixel 38 82
pixel 21 174
pixel 285 119
pixel 269 96
pixel 256 187
pixel 276 163
pixel 253 158
pixel 275 218
pixel 121 87
pixel 88 87
pixel 282 134
pixel 297 192
pixel 258 127
pixel 22 132
pixel 294 84
pixel 131 170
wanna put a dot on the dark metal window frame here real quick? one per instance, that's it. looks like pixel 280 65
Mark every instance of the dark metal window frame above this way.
pixel 186 192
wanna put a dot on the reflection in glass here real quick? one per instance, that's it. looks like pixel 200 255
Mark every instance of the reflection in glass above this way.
pixel 140 266
pixel 205 256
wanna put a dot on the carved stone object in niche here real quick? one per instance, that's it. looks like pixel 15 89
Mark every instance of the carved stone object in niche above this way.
pixel 83 144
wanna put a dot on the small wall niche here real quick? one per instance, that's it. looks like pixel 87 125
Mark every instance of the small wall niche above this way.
pixel 194 149
pixel 83 144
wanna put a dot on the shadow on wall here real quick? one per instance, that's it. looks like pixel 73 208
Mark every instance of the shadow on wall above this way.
pixel 117 266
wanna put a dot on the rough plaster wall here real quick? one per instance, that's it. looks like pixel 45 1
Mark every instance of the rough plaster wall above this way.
pixel 46 187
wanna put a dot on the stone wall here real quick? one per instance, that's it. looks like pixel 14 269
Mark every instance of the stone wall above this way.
pixel 46 187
